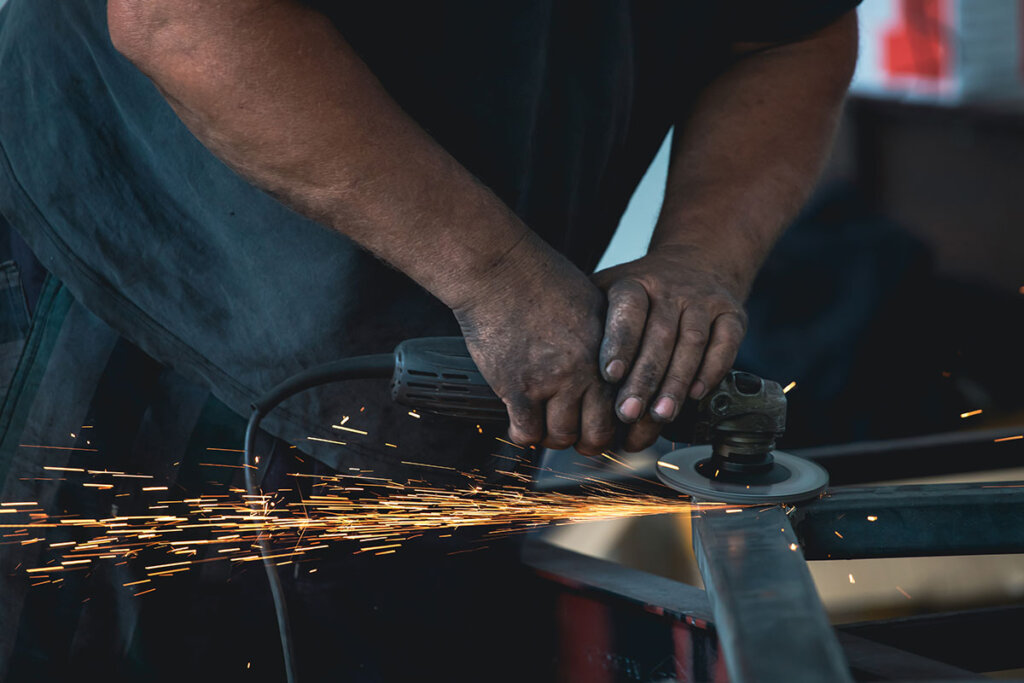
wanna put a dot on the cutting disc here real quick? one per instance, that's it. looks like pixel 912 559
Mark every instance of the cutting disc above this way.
pixel 790 479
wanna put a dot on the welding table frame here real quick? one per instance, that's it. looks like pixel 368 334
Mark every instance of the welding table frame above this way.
pixel 760 609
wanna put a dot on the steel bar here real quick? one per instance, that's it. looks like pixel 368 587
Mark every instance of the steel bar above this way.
pixel 876 661
pixel 976 640
pixel 920 456
pixel 770 622
pixel 913 521
pixel 612 579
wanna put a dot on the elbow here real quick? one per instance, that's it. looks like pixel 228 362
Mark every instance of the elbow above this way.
pixel 138 28
pixel 128 27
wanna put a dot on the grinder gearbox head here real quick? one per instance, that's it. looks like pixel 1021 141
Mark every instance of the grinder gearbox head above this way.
pixel 740 420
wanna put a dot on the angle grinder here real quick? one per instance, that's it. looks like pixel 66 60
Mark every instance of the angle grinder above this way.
pixel 739 422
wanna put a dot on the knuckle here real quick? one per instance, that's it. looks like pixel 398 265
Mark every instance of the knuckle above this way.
pixel 694 336
pixel 598 436
pixel 627 288
pixel 735 320
pixel 645 379
pixel 676 381
pixel 521 437
pixel 559 441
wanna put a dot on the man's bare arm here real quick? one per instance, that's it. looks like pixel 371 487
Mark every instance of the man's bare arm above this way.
pixel 272 88
pixel 742 166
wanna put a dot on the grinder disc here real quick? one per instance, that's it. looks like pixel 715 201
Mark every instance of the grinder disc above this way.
pixel 791 478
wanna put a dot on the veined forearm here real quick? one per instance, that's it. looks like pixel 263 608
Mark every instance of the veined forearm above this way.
pixel 274 90
pixel 747 158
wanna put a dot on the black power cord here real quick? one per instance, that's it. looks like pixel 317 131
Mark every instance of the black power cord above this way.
pixel 360 367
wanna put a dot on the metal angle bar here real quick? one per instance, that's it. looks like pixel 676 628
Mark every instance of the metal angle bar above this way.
pixel 875 661
pixel 913 521
pixel 653 593
pixel 985 639
pixel 770 622
pixel 863 462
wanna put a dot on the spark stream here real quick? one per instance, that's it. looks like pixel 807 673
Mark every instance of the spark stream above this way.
pixel 371 514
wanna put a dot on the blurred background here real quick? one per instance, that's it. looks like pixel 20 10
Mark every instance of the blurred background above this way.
pixel 896 301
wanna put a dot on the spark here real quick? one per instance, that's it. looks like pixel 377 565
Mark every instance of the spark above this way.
pixel 970 413
pixel 413 413
pixel 903 592
pixel 349 429
pixel 667 465
pixel 1009 438
pixel 838 534
pixel 851 579
pixel 789 387
pixel 353 509
pixel 872 518
pixel 618 462
pixel 793 546
pixel 339 443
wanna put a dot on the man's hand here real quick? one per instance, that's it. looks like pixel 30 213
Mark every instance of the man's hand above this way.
pixel 673 329
pixel 535 332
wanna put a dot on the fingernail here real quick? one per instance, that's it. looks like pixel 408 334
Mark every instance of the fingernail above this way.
pixel 664 408
pixel 615 370
pixel 697 390
pixel 630 408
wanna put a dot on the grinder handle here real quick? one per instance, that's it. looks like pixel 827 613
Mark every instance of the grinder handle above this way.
pixel 437 374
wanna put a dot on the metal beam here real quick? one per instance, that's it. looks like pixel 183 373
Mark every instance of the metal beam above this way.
pixel 862 462
pixel 976 640
pixel 913 521
pixel 650 592
pixel 874 661
pixel 770 622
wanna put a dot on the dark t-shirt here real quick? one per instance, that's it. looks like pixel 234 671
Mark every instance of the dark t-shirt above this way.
pixel 557 105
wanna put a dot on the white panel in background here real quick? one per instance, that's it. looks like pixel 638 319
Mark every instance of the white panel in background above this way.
pixel 634 231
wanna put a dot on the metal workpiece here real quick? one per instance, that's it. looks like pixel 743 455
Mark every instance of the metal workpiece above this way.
pixel 913 521
pixel 770 622
pixel 864 462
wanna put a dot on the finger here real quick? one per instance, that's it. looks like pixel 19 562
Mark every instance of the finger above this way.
pixel 624 328
pixel 686 359
pixel 649 369
pixel 726 335
pixel 526 421
pixel 642 434
pixel 597 427
pixel 563 421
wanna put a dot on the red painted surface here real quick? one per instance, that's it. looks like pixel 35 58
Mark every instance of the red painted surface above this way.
pixel 585 638
pixel 682 650
pixel 918 44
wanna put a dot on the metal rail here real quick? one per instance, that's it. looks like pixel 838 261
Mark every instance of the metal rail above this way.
pixel 765 611
pixel 771 625
pixel 913 521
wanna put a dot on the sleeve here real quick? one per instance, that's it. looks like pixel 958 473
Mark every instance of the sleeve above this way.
pixel 777 21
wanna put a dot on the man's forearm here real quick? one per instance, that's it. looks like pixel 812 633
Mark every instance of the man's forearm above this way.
pixel 274 90
pixel 749 154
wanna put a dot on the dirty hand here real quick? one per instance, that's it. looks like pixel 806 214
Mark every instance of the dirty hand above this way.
pixel 673 328
pixel 534 331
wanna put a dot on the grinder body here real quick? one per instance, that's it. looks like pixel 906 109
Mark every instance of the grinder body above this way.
pixel 738 421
